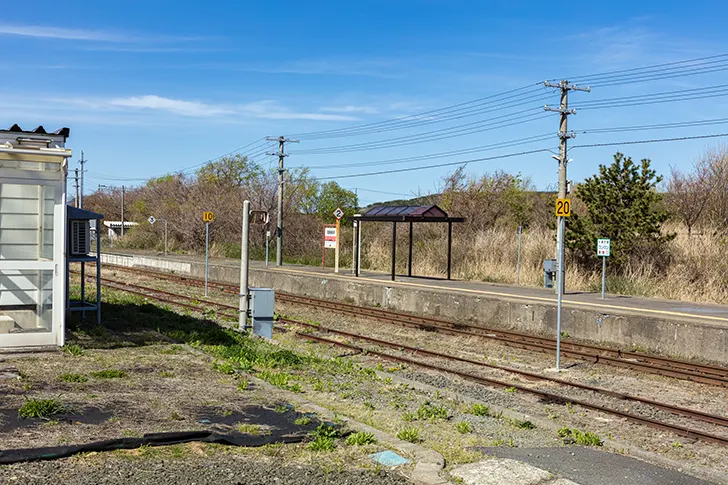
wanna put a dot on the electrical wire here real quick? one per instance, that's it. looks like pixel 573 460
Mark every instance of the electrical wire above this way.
pixel 424 167
pixel 656 140
pixel 680 124
pixel 482 148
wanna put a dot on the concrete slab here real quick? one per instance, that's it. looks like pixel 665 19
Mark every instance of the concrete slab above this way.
pixel 501 471
pixel 588 466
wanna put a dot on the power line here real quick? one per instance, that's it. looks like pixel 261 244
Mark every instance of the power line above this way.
pixel 482 148
pixel 424 167
pixel 414 116
pixel 680 124
pixel 656 140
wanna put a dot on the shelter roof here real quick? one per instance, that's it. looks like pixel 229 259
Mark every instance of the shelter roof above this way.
pixel 76 214
pixel 408 213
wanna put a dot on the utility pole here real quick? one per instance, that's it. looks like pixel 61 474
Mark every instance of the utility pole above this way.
pixel 75 184
pixel 282 140
pixel 81 162
pixel 123 191
pixel 563 160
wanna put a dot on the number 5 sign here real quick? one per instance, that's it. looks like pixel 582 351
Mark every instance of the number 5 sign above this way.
pixel 563 207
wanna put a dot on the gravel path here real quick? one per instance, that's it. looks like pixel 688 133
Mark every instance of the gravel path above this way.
pixel 223 469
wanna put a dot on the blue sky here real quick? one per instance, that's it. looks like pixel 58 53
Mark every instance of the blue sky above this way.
pixel 153 87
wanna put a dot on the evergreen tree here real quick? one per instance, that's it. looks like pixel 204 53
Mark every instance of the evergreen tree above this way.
pixel 623 205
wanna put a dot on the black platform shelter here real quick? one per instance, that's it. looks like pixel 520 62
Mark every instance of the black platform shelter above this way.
pixel 410 214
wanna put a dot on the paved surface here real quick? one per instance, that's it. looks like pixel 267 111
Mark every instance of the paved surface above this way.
pixel 587 466
pixel 502 471
pixel 670 309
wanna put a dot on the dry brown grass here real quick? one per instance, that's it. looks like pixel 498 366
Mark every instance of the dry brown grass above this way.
pixel 698 270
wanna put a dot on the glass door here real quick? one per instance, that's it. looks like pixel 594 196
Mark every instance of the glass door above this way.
pixel 32 234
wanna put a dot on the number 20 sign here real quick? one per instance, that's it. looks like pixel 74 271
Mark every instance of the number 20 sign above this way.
pixel 563 207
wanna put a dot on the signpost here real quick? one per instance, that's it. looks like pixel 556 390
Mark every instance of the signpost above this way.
pixel 338 213
pixel 604 247
pixel 262 217
pixel 243 310
pixel 152 220
pixel 518 265
pixel 563 210
pixel 329 242
pixel 207 218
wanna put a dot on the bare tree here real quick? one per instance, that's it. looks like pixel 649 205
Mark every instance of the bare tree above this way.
pixel 689 194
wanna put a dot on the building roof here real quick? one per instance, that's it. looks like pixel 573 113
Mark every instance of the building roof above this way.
pixel 118 223
pixel 76 214
pixel 408 213
pixel 39 130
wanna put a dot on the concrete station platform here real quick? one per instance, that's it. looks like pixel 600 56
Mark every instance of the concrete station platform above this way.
pixel 674 328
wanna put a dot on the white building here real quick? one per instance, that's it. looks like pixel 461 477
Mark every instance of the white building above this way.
pixel 33 169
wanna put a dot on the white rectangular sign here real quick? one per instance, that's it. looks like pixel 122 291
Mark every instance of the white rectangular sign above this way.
pixel 329 237
pixel 603 247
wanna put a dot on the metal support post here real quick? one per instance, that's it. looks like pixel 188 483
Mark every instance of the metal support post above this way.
pixel 281 171
pixel 409 259
pixel 267 239
pixel 75 202
pixel 244 264
pixel 449 249
pixel 80 198
pixel 353 248
pixel 518 264
pixel 604 272
pixel 338 245
pixel 358 248
pixel 98 271
pixel 207 254
pixel 394 248
pixel 560 295
pixel 165 236
pixel 123 191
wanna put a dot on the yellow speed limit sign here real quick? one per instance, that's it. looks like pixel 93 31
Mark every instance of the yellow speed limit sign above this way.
pixel 208 216
pixel 563 207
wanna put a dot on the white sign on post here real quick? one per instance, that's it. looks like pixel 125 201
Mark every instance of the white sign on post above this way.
pixel 151 220
pixel 338 213
pixel 603 247
pixel 329 237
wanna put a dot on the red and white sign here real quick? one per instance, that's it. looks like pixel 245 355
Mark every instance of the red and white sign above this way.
pixel 329 237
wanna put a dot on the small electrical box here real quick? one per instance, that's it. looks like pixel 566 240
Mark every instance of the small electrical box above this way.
pixel 262 307
pixel 550 266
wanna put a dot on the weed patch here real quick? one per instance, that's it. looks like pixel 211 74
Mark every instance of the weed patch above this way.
pixel 109 374
pixel 463 427
pixel 360 439
pixel 429 411
pixel 73 378
pixel 73 349
pixel 409 434
pixel 41 408
pixel 479 410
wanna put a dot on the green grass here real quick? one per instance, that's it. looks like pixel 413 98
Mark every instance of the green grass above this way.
pixel 243 385
pixel 321 443
pixel 479 410
pixel 463 427
pixel 586 438
pixel 429 411
pixel 109 374
pixel 73 349
pixel 254 429
pixel 523 424
pixel 326 431
pixel 302 421
pixel 73 378
pixel 409 434
pixel 41 408
pixel 512 390
pixel 360 439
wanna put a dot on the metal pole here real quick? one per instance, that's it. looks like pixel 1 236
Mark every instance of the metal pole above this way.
pixel 518 265
pixel 560 295
pixel 123 190
pixel 279 223
pixel 353 248
pixel 394 247
pixel 604 272
pixel 98 271
pixel 409 261
pixel 207 254
pixel 165 236
pixel 76 184
pixel 358 248
pixel 267 239
pixel 449 249
pixel 244 255
pixel 80 200
pixel 338 245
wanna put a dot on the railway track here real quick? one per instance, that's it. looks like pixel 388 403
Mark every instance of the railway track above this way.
pixel 680 369
pixel 195 304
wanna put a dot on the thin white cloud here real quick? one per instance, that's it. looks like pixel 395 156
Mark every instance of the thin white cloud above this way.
pixel 176 106
pixel 370 110
pixel 48 32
